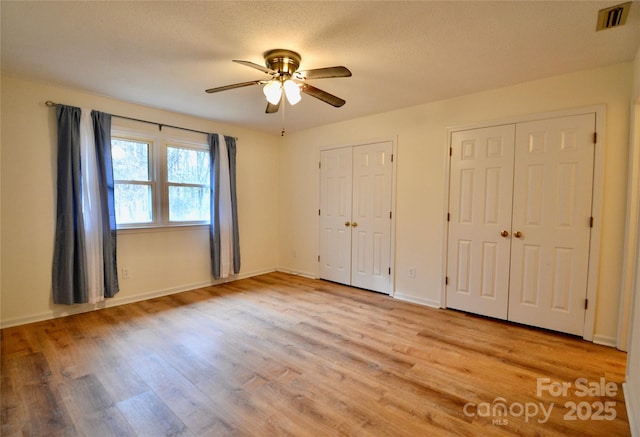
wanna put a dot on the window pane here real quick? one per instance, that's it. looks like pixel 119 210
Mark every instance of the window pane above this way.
pixel 133 203
pixel 187 166
pixel 188 204
pixel 130 160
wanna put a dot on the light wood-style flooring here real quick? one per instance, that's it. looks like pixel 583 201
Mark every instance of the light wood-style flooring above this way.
pixel 280 355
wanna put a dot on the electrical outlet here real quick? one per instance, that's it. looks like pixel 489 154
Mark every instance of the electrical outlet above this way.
pixel 412 272
pixel 125 273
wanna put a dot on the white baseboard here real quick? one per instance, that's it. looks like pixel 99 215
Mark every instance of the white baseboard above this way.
pixel 297 273
pixel 418 300
pixel 633 411
pixel 605 340
pixel 116 301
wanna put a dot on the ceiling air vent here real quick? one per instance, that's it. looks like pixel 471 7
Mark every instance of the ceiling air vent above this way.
pixel 613 17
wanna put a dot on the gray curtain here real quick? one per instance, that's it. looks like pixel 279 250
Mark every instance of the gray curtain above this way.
pixel 214 228
pixel 214 205
pixel 102 133
pixel 69 258
pixel 231 148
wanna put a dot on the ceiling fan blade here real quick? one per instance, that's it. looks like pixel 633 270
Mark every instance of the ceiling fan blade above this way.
pixel 235 85
pixel 321 73
pixel 257 67
pixel 271 108
pixel 322 95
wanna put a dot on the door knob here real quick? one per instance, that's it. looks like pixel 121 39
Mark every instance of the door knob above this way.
pixel 347 224
pixel 504 233
pixel 517 234
pixel 354 224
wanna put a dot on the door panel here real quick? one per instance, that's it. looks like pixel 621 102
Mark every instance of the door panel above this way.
pixel 335 211
pixel 372 173
pixel 552 210
pixel 481 183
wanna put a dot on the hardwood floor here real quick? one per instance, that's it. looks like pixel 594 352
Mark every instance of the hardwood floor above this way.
pixel 280 355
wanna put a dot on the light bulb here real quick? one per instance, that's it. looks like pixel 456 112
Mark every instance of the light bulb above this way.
pixel 292 91
pixel 273 92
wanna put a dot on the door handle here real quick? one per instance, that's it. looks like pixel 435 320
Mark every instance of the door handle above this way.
pixel 354 224
pixel 504 233
pixel 347 224
pixel 517 234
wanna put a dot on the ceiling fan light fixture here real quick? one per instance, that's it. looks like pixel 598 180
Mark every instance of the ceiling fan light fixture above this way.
pixel 292 91
pixel 273 92
pixel 282 65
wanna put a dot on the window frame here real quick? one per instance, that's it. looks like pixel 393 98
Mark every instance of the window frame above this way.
pixel 151 152
pixel 158 173
pixel 166 184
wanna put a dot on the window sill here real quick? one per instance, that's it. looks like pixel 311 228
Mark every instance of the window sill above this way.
pixel 162 228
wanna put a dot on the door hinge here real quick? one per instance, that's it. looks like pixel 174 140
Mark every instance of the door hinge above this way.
pixel 586 304
pixel 390 216
pixel 448 217
pixel 392 157
pixel 389 270
pixel 318 258
pixel 320 164
pixel 595 138
pixel 318 212
pixel 590 222
pixel 446 280
pixel 450 151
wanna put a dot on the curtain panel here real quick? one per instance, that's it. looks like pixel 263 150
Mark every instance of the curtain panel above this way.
pixel 84 262
pixel 105 183
pixel 224 237
pixel 69 257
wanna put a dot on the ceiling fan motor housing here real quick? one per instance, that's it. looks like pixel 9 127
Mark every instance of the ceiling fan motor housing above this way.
pixel 285 62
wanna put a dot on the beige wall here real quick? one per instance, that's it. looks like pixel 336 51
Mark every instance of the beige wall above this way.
pixel 632 383
pixel 158 262
pixel 421 137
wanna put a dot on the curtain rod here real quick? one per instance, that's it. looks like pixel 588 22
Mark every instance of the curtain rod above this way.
pixel 52 104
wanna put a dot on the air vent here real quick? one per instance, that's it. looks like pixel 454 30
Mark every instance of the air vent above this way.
pixel 614 16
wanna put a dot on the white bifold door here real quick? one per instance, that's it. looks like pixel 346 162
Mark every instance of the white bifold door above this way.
pixel 355 216
pixel 520 221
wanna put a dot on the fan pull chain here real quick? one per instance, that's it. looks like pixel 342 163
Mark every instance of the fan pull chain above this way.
pixel 284 108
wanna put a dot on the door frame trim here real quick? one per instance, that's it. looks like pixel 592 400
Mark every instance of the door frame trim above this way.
pixel 394 163
pixel 596 204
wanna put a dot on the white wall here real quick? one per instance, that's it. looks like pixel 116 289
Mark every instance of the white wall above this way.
pixel 420 133
pixel 158 262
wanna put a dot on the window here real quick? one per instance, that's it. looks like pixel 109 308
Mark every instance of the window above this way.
pixel 159 181
pixel 133 189
pixel 188 184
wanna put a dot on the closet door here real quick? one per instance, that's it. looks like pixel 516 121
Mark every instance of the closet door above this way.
pixel 355 216
pixel 551 222
pixel 371 217
pixel 335 214
pixel 481 183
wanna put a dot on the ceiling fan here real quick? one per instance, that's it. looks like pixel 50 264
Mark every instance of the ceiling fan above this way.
pixel 282 65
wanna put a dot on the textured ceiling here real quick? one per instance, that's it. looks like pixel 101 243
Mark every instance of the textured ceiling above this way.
pixel 165 54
